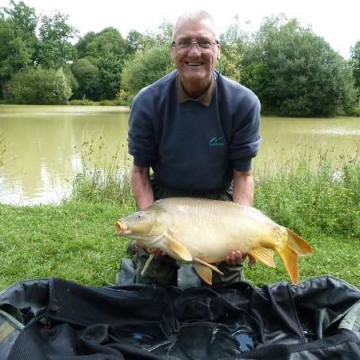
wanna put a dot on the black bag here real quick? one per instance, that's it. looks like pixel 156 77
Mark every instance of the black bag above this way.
pixel 60 320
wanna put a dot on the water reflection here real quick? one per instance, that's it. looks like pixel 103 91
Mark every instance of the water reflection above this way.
pixel 41 159
pixel 43 142
pixel 288 143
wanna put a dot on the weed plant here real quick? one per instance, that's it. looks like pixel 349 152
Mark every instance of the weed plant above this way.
pixel 104 177
pixel 2 150
pixel 324 198
pixel 2 156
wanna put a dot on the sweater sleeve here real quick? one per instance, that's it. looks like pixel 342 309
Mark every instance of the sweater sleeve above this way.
pixel 246 137
pixel 141 137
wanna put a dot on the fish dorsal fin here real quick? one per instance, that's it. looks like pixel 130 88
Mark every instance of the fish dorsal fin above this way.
pixel 204 273
pixel 212 267
pixel 177 248
pixel 264 255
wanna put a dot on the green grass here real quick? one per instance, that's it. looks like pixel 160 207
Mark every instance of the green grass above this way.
pixel 76 240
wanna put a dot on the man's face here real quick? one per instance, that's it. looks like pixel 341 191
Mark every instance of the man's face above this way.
pixel 195 62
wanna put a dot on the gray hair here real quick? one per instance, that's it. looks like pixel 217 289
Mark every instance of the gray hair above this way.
pixel 194 15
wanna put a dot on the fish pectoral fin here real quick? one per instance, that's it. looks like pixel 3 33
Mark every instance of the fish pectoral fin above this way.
pixel 148 261
pixel 177 248
pixel 204 273
pixel 264 255
pixel 212 267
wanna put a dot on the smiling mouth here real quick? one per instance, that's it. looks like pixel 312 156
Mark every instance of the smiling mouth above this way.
pixel 193 63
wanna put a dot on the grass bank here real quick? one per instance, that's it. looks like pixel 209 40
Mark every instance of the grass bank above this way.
pixel 76 239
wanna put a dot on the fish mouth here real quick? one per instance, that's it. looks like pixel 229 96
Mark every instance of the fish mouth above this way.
pixel 121 228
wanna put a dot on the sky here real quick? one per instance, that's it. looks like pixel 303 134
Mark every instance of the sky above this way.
pixel 336 21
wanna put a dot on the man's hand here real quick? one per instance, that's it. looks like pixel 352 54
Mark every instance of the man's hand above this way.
pixel 155 251
pixel 236 258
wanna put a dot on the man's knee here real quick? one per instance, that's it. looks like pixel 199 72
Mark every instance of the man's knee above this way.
pixel 231 274
pixel 161 271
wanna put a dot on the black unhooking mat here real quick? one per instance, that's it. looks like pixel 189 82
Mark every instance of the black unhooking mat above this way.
pixel 60 320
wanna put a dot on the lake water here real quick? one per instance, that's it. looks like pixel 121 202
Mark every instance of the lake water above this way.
pixel 42 145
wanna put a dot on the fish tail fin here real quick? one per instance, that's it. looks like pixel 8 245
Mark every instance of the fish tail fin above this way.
pixel 290 260
pixel 298 244
pixel 295 246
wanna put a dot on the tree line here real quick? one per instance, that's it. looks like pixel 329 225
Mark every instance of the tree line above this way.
pixel 293 71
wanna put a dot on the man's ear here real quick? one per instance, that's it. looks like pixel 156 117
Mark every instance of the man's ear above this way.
pixel 218 51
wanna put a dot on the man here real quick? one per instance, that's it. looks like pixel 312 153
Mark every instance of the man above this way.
pixel 197 131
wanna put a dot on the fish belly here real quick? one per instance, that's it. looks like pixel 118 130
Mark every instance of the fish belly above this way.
pixel 211 234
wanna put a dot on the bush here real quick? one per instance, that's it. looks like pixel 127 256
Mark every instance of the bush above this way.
pixel 116 102
pixel 356 111
pixel 40 87
pixel 81 102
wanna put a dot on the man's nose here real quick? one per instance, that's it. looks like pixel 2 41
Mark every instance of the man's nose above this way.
pixel 194 49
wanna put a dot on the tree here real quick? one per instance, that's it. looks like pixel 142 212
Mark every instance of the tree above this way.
pixel 21 49
pixel 87 76
pixel 134 42
pixel 54 48
pixel 110 68
pixel 232 43
pixel 146 67
pixel 355 62
pixel 295 72
pixel 61 88
pixel 24 17
pixel 149 59
pixel 82 44
pixel 17 41
pixel 105 52
pixel 106 41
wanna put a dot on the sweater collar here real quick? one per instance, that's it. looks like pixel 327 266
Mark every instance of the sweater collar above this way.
pixel 203 99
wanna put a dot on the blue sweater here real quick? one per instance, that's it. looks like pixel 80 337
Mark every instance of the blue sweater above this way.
pixel 189 146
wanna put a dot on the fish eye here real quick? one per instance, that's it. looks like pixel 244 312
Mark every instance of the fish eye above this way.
pixel 140 214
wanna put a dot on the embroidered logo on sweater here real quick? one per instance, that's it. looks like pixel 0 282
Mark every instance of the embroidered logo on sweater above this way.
pixel 217 141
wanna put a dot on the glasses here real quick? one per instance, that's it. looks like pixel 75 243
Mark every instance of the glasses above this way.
pixel 188 44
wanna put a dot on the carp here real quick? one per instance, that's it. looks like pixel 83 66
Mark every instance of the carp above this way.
pixel 205 231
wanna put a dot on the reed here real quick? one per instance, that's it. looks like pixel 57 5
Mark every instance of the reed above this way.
pixel 104 174
pixel 323 195
pixel 2 157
